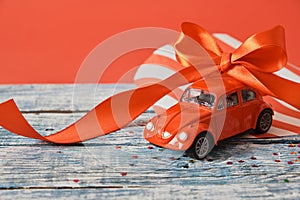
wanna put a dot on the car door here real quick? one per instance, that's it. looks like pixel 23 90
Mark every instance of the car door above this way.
pixel 250 105
pixel 233 120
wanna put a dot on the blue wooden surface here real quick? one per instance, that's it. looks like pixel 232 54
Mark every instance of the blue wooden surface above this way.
pixel 122 166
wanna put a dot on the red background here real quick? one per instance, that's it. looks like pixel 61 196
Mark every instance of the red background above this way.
pixel 45 41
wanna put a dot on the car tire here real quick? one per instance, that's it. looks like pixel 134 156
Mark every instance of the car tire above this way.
pixel 202 145
pixel 264 121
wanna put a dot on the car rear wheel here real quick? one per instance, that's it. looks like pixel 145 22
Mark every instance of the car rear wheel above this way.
pixel 264 121
pixel 202 145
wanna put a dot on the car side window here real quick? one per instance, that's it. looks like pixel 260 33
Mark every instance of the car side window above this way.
pixel 248 95
pixel 232 99
pixel 220 104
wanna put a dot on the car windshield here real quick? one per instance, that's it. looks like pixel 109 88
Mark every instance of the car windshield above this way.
pixel 198 96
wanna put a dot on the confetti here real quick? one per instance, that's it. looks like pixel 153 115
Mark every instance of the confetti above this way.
pixel 290 162
pixel 123 173
pixel 229 163
pixel 131 132
pixel 293 152
pixel 296 160
pixel 286 180
pixel 183 165
pixel 291 145
pixel 275 154
pixel 186 166
pixel 172 158
pixel 254 165
pixel 241 161
pixel 134 157
pixel 298 145
pixel 253 158
pixel 76 180
pixel 298 157
pixel 118 147
pixel 277 160
pixel 150 147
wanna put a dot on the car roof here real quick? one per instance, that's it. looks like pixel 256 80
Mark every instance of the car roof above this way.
pixel 214 84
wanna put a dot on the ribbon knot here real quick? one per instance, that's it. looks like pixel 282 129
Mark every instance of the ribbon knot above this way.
pixel 225 62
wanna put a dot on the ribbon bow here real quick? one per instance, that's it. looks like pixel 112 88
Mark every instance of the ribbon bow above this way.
pixel 253 63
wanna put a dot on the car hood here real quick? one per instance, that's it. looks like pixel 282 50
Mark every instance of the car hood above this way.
pixel 181 115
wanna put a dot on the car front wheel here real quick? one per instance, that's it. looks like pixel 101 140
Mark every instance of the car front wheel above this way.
pixel 264 121
pixel 202 145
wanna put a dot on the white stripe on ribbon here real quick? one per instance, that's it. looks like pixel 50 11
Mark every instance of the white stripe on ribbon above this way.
pixel 286 104
pixel 287 74
pixel 167 51
pixel 166 102
pixel 153 71
pixel 227 39
pixel 273 130
pixel 281 132
pixel 160 72
pixel 184 86
pixel 287 119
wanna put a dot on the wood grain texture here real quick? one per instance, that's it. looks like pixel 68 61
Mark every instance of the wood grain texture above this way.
pixel 122 166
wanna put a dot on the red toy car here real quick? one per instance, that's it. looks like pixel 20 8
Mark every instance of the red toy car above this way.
pixel 205 116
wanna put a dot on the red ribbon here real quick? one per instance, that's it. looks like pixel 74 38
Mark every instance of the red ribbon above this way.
pixel 253 63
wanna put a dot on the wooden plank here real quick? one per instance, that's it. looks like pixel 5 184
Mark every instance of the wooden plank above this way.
pixel 63 97
pixel 94 169
pixel 233 191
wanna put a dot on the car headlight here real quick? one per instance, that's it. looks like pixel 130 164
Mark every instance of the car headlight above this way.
pixel 182 136
pixel 150 126
pixel 166 135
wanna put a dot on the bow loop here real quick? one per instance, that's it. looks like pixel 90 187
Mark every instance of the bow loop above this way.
pixel 202 37
pixel 265 51
pixel 253 63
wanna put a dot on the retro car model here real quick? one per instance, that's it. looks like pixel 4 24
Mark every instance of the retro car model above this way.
pixel 205 116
